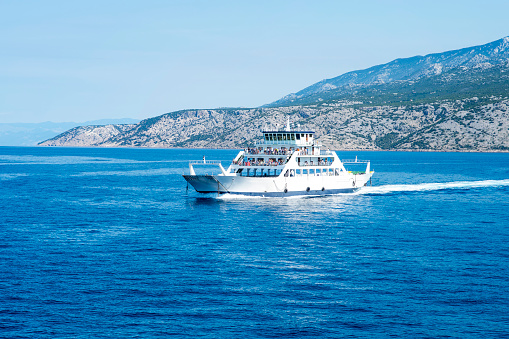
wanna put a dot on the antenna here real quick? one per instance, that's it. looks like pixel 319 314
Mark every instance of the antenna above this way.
pixel 287 124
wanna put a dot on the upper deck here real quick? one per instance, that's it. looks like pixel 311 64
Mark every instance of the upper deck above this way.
pixel 288 138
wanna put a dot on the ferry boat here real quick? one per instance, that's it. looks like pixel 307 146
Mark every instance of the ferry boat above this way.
pixel 285 163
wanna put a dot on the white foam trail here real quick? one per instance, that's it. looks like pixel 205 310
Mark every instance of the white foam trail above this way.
pixel 9 176
pixel 72 160
pixel 228 196
pixel 432 186
pixel 386 189
pixel 148 172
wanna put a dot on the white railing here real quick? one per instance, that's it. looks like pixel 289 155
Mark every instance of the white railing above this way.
pixel 268 153
pixel 205 162
pixel 309 152
pixel 326 153
pixel 301 164
pixel 354 161
pixel 283 142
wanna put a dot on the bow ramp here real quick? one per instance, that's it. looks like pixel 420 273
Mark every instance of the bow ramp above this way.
pixel 205 162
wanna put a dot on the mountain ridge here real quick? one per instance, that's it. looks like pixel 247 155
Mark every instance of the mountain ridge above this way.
pixel 459 104
pixel 431 64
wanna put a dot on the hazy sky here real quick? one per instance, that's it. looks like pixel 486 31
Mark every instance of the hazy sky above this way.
pixel 87 60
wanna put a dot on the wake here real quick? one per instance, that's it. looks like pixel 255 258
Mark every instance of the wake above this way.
pixel 386 189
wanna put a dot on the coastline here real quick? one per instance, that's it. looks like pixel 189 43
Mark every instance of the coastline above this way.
pixel 337 150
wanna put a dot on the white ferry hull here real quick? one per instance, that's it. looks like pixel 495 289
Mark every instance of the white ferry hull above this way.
pixel 278 186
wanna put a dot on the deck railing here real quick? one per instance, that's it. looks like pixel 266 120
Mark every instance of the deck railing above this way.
pixel 326 152
pixel 354 161
pixel 205 162
pixel 283 142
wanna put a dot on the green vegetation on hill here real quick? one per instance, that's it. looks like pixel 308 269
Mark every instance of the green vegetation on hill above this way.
pixel 456 84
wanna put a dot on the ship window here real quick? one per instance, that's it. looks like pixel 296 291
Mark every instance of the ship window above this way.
pixel 297 136
pixel 292 136
pixel 279 137
pixel 266 137
pixel 305 171
pixel 337 171
pixel 284 136
pixel 312 171
pixel 298 171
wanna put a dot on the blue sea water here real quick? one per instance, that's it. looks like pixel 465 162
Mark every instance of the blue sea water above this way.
pixel 108 243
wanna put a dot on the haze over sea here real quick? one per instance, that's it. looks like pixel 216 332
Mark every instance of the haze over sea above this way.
pixel 107 243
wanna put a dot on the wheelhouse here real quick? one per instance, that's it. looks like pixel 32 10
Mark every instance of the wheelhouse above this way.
pixel 295 138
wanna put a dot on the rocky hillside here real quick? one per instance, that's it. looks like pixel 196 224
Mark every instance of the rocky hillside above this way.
pixel 456 100
pixel 472 124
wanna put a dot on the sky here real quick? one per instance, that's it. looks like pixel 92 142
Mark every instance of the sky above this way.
pixel 78 61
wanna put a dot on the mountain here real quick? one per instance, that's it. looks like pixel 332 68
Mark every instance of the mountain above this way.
pixel 457 100
pixel 430 73
pixel 30 134
pixel 465 125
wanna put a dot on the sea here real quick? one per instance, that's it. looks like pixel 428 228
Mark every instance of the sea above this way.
pixel 111 243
